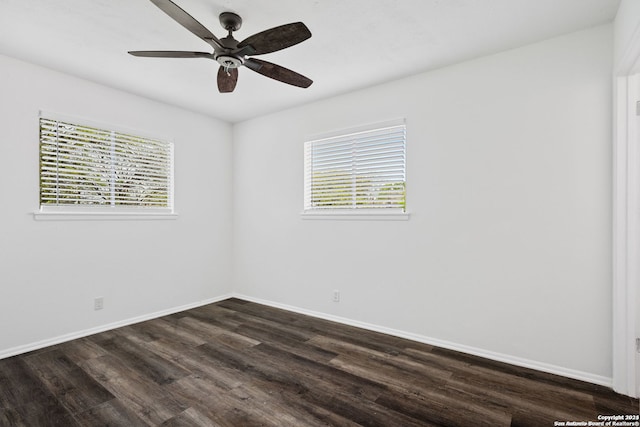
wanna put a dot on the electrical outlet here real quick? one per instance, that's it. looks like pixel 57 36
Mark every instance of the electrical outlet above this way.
pixel 98 303
pixel 638 345
pixel 336 296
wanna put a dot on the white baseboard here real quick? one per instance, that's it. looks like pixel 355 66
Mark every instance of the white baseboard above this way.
pixel 84 333
pixel 512 360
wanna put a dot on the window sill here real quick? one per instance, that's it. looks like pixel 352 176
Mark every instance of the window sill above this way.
pixel 102 216
pixel 356 216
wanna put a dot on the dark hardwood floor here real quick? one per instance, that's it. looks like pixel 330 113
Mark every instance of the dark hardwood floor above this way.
pixel 236 363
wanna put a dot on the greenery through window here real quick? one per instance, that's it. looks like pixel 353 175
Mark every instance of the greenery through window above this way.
pixel 361 170
pixel 87 166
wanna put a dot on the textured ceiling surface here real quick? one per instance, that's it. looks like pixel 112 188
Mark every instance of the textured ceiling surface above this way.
pixel 355 43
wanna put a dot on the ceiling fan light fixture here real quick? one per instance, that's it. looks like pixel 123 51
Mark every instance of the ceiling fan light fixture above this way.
pixel 229 61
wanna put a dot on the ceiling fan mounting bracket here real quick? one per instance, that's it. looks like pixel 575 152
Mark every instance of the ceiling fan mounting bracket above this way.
pixel 230 21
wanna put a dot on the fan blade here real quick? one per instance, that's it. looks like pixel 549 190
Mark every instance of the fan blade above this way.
pixel 227 79
pixel 170 54
pixel 277 72
pixel 276 38
pixel 189 22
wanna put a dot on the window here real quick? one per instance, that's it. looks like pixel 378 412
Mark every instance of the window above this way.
pixel 359 172
pixel 91 170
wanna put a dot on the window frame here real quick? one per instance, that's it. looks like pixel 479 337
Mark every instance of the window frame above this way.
pixel 366 214
pixel 104 212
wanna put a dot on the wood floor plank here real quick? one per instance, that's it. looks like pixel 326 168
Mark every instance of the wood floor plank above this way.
pixel 397 366
pixel 287 390
pixel 517 371
pixel 158 369
pixel 142 395
pixel 527 403
pixel 191 417
pixel 347 395
pixel 315 383
pixel 16 383
pixel 194 361
pixel 210 332
pixel 111 413
pixel 207 400
pixel 608 404
pixel 153 330
pixel 74 388
pixel 174 331
pixel 25 400
pixel 438 409
pixel 218 316
pixel 238 363
pixel 296 346
pixel 45 411
pixel 286 331
pixel 11 417
pixel 82 349
pixel 308 374
pixel 388 375
pixel 268 313
pixel 224 407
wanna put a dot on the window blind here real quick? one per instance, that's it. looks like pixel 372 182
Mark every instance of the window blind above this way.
pixel 81 165
pixel 361 170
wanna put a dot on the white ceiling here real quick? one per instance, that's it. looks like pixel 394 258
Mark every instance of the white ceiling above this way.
pixel 355 43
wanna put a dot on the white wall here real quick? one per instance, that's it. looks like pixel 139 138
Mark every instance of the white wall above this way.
pixel 627 23
pixel 509 185
pixel 51 271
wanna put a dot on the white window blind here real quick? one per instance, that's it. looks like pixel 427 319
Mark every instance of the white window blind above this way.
pixel 86 166
pixel 361 171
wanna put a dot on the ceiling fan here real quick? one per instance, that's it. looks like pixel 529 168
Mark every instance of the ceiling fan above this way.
pixel 230 53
